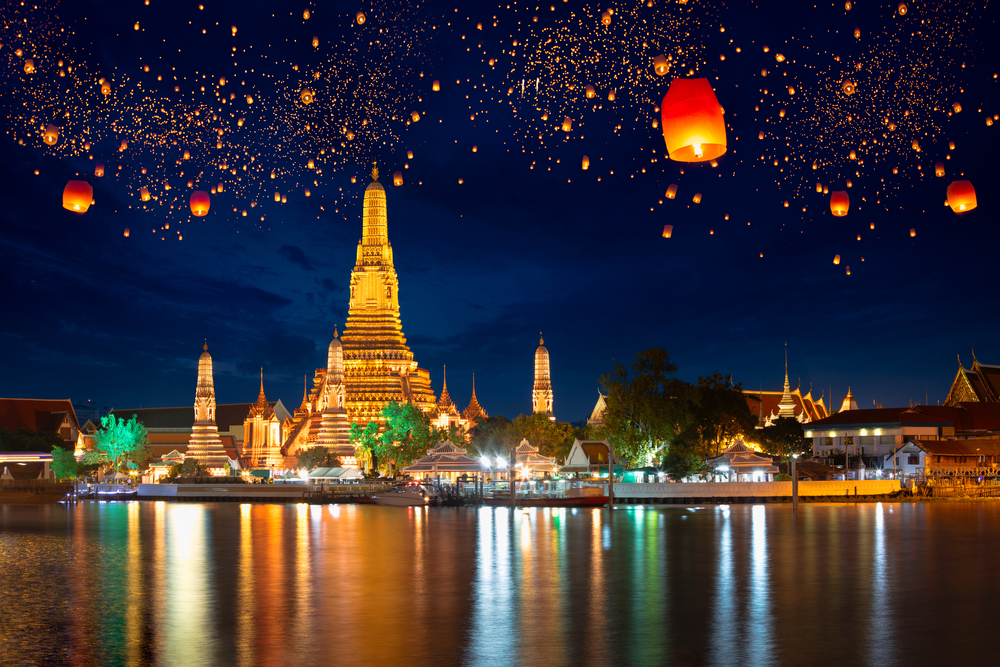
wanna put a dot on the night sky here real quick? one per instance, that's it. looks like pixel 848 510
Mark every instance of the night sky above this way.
pixel 515 248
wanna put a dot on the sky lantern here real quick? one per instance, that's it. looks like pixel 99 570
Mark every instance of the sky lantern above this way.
pixel 672 191
pixel 693 127
pixel 50 135
pixel 848 87
pixel 123 146
pixel 306 96
pixel 606 17
pixel 126 232
pixel 848 269
pixel 913 232
pixel 819 187
pixel 849 184
pixel 780 58
pixel 836 259
pixel 144 193
pixel 436 86
pixel 586 163
pixel 234 31
pixel 77 196
pixel 667 231
pixel 186 155
pixel 697 198
pixel 951 145
pixel 660 65
pixel 857 33
pixel 961 196
pixel 902 9
pixel 29 66
pixel 415 116
pixel 939 169
pixel 840 202
pixel 310 164
pixel 957 107
pixel 611 95
pixel 354 179
pixel 200 203
pixel 475 148
pixel 567 124
pixel 99 169
pixel 305 15
pixel 308 194
pixel 360 18
pixel 277 196
pixel 249 99
pixel 350 135
pixel 397 178
pixel 315 42
pixel 105 88
pixel 589 91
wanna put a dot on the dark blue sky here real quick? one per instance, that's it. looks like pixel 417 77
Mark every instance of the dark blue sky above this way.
pixel 485 265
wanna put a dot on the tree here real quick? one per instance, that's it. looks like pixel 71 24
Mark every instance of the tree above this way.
pixel 783 438
pixel 117 440
pixel 64 464
pixel 407 435
pixel 494 436
pixel 318 457
pixel 552 439
pixel 681 461
pixel 365 441
pixel 720 414
pixel 646 406
pixel 28 440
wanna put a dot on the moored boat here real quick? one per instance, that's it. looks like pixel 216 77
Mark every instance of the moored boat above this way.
pixel 410 495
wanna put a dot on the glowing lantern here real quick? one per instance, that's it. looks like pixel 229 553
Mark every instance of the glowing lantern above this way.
pixel 136 26
pixel 590 92
pixel 913 232
pixel 611 95
pixel 277 196
pixel 51 135
pixel 308 194
pixel 697 198
pixel 397 178
pixel 126 232
pixel 306 96
pixel 187 155
pixel 891 126
pixel 791 90
pixel 249 99
pixel 847 5
pixel 786 203
pixel 872 226
pixel 99 169
pixel 781 114
pixel 848 269
pixel 857 33
pixel 901 8
pixel 239 122
pixel 672 191
pixel 190 183
pixel 840 202
pixel 315 42
pixel 586 163
pixel 123 147
pixel 144 193
pixel 305 15
pixel 606 18
pixel 957 107
pixel 354 179
pixel 310 164
pixel 836 259
pixel 436 86
pixel 853 155
pixel 234 31
pixel 409 155
pixel 106 88
pixel 780 58
pixel 693 127
pixel 848 87
pixel 849 184
pixel 819 187
pixel 77 196
pixel 360 18
pixel 350 135
pixel 916 145
pixel 939 169
pixel 29 66
pixel 951 145
pixel 475 148
pixel 567 124
pixel 961 196
pixel 660 65
pixel 415 116
pixel 667 231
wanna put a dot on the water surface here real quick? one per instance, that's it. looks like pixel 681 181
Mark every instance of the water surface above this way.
pixel 144 583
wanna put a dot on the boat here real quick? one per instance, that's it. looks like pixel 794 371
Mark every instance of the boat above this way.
pixel 32 491
pixel 409 495
pixel 553 501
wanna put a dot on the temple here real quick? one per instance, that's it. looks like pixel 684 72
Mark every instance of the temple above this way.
pixel 262 433
pixel 378 365
pixel 205 444
pixel 769 406
pixel 474 413
pixel 979 384
pixel 541 394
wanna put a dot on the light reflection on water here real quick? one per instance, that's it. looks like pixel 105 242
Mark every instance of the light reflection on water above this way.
pixel 203 584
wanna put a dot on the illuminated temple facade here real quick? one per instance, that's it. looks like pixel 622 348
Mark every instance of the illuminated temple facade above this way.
pixel 541 393
pixel 205 443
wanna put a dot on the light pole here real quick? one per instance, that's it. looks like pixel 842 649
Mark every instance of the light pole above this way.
pixel 795 483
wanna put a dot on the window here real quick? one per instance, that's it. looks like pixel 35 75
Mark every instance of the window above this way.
pixel 897 461
pixel 867 440
pixel 887 439
pixel 912 459
pixel 828 442
pixel 849 440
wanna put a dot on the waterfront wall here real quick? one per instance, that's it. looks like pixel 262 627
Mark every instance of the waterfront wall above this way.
pixel 817 489
pixel 242 492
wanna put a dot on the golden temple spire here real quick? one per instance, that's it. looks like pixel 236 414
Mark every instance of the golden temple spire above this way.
pixel 374 171
pixel 541 341
pixel 335 331
pixel 206 345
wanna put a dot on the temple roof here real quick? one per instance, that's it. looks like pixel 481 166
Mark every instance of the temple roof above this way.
pixel 474 412
pixel 38 414
pixel 226 416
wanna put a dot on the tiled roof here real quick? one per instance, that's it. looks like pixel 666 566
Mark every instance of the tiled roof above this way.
pixel 226 415
pixel 960 447
pixel 38 414
pixel 879 416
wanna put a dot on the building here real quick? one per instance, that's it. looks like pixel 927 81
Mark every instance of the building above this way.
pixel 474 412
pixel 530 462
pixel 945 458
pixel 378 365
pixel 445 414
pixel 44 416
pixel 205 444
pixel 445 461
pixel 596 418
pixel 262 433
pixel 739 463
pixel 874 432
pixel 770 406
pixel 541 394
pixel 979 384
pixel 588 458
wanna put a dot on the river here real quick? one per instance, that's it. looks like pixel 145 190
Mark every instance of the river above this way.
pixel 150 583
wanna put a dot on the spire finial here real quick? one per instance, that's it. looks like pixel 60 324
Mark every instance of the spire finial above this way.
pixel 541 341
pixel 334 330
pixel 262 379
pixel 206 345
pixel 374 171
pixel 473 382
pixel 444 381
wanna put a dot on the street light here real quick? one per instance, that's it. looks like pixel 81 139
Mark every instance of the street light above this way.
pixel 795 483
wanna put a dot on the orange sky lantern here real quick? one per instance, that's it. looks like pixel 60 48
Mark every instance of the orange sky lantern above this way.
pixel 961 196
pixel 144 193
pixel 913 232
pixel 99 169
pixel 77 196
pixel 567 124
pixel 50 135
pixel 586 163
pixel 200 203
pixel 840 203
pixel 697 198
pixel 29 66
pixel 126 232
pixel 939 169
pixel 672 191
pixel 693 127
pixel 436 86
pixel 668 230
pixel 589 91
pixel 360 18
pixel 660 65
pixel 397 178
pixel 836 259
